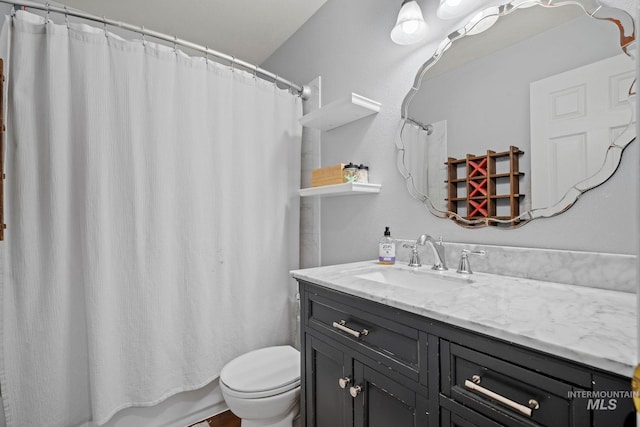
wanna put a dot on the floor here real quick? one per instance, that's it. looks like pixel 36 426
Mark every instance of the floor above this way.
pixel 225 419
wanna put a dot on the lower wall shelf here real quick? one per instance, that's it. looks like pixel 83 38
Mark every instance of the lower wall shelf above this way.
pixel 347 189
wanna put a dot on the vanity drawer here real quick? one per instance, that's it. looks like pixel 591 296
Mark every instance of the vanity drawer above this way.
pixel 369 332
pixel 511 394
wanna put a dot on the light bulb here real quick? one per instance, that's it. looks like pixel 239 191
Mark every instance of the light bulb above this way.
pixel 449 9
pixel 410 27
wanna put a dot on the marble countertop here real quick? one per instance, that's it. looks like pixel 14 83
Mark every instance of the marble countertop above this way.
pixel 596 327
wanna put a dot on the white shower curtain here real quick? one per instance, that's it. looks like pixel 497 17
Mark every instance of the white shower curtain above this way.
pixel 426 159
pixel 152 221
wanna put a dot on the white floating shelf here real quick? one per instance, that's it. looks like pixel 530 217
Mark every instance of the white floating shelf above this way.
pixel 340 112
pixel 347 189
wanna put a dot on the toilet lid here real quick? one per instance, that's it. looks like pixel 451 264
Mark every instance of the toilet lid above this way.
pixel 264 369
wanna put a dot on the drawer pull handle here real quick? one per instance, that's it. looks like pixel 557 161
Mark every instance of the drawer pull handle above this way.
pixel 524 410
pixel 355 391
pixel 344 382
pixel 342 326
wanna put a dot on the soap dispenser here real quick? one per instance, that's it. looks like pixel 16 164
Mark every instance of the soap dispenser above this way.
pixel 387 249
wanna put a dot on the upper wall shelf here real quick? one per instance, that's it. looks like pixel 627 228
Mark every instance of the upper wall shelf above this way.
pixel 340 112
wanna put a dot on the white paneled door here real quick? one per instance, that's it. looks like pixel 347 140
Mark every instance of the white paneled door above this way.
pixel 575 116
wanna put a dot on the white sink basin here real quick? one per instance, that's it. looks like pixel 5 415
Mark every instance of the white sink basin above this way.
pixel 425 280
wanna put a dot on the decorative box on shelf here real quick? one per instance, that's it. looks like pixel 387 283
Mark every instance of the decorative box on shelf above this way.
pixel 328 175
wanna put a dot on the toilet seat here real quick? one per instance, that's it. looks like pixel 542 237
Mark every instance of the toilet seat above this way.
pixel 261 373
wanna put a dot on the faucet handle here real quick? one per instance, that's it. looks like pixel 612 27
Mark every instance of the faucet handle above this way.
pixel 466 252
pixel 414 260
pixel 464 267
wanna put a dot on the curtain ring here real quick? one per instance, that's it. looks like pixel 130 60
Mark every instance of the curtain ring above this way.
pixel 255 73
pixel 206 54
pixel 175 45
pixel 66 17
pixel 428 129
pixel 275 82
pixel 104 22
pixel 144 40
pixel 47 19
pixel 233 64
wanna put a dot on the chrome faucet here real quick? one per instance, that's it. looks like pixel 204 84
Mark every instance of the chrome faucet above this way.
pixel 439 262
pixel 438 252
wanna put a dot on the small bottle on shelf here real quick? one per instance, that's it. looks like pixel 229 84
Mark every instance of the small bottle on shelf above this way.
pixel 350 173
pixel 363 174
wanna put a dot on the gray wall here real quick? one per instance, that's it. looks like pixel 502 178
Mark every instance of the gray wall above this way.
pixel 348 44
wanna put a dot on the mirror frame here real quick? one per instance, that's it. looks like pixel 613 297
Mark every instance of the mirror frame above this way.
pixel 592 8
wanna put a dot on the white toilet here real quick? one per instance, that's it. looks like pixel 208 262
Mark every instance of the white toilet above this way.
pixel 262 387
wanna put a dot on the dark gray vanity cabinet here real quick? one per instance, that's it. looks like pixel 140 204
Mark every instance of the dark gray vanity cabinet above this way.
pixel 368 364
pixel 327 403
pixel 360 368
pixel 342 391
pixel 384 401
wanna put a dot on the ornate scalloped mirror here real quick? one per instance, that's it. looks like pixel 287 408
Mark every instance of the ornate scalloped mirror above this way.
pixel 515 123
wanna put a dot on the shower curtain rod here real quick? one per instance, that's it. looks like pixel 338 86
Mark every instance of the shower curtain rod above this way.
pixel 426 128
pixel 303 91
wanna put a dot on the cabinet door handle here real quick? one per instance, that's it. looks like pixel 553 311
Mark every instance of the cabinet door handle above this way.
pixel 524 410
pixel 342 326
pixel 344 382
pixel 355 390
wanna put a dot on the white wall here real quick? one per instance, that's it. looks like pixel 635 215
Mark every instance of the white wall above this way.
pixel 348 44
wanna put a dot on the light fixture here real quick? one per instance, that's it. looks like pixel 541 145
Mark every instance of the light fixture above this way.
pixel 410 27
pixel 450 9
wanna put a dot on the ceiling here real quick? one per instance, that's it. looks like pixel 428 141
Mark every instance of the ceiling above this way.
pixel 250 30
